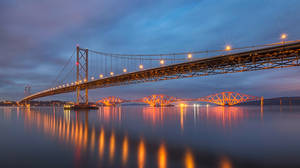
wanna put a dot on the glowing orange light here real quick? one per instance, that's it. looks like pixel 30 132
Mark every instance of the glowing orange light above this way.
pixel 124 70
pixel 100 76
pixel 189 160
pixel 225 163
pixel 162 62
pixel 283 36
pixel 182 105
pixel 228 47
pixel 141 154
pixel 93 139
pixel 190 56
pixel 111 73
pixel 101 143
pixel 125 150
pixel 84 80
pixel 141 66
pixel 162 156
pixel 112 145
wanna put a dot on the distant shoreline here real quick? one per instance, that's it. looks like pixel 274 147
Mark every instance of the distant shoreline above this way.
pixel 270 101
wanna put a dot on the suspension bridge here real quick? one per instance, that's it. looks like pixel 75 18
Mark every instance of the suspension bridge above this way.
pixel 88 69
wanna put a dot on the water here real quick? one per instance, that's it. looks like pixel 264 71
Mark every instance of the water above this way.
pixel 140 136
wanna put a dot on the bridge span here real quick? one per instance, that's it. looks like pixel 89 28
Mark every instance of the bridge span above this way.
pixel 280 55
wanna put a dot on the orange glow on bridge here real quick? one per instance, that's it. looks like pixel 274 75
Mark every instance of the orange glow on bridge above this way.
pixel 110 101
pixel 228 98
pixel 223 98
pixel 158 100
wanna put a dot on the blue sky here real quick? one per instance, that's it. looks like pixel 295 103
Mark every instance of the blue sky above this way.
pixel 38 36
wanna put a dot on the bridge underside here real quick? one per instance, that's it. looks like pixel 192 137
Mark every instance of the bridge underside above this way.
pixel 285 55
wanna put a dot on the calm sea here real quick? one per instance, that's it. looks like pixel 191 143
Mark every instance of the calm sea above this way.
pixel 140 136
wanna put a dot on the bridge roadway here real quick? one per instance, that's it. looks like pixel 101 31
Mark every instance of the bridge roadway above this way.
pixel 279 56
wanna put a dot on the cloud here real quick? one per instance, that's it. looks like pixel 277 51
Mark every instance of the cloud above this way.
pixel 38 37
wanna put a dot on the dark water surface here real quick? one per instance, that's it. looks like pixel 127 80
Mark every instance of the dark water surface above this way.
pixel 140 136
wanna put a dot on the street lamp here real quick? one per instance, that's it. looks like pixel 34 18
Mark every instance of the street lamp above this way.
pixel 162 62
pixel 228 48
pixel 283 36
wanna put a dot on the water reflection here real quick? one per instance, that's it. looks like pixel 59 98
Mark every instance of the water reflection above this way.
pixel 112 146
pixel 189 159
pixel 101 143
pixel 141 154
pixel 125 150
pixel 162 156
pixel 103 133
pixel 225 163
pixel 216 115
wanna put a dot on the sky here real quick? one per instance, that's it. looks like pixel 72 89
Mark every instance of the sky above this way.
pixel 38 36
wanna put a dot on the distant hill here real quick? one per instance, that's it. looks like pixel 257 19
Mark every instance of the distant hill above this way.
pixel 276 101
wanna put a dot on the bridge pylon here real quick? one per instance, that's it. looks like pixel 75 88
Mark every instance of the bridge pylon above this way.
pixel 82 76
pixel 82 73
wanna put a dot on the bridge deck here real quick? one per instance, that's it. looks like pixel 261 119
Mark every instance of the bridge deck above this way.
pixel 284 55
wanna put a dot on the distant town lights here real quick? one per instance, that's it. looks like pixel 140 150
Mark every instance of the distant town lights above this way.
pixel 101 76
pixel 92 78
pixel 190 56
pixel 111 73
pixel 141 66
pixel 124 70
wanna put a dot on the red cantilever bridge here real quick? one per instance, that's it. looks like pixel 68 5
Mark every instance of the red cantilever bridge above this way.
pixel 114 69
pixel 223 98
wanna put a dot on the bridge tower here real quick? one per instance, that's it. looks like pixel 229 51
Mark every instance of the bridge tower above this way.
pixel 27 90
pixel 82 75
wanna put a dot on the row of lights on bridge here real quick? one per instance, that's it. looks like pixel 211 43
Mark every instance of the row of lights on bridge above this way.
pixel 141 66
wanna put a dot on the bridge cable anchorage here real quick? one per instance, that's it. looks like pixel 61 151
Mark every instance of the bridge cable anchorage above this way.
pixel 185 65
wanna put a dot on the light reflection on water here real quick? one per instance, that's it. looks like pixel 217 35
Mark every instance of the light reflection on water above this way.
pixel 193 136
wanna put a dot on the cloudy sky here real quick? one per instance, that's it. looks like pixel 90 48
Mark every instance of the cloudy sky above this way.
pixel 38 36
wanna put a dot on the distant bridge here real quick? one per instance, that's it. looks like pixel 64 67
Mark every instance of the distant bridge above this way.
pixel 279 55
pixel 223 98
